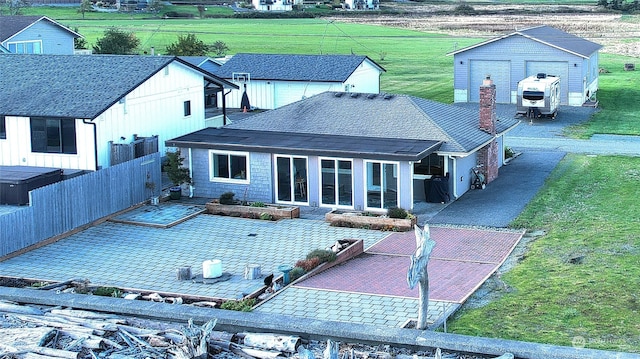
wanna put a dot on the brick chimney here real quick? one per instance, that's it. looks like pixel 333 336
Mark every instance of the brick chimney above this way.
pixel 488 106
pixel 488 155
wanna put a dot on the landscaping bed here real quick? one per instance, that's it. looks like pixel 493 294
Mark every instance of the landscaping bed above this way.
pixel 266 211
pixel 370 220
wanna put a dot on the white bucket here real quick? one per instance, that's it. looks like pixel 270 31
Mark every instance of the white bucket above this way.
pixel 212 268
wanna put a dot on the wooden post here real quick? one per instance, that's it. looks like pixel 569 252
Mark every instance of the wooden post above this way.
pixel 418 272
pixel 184 273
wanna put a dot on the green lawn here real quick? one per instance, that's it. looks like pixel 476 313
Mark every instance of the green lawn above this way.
pixel 589 206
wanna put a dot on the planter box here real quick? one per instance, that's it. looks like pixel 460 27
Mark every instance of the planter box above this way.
pixel 358 219
pixel 237 210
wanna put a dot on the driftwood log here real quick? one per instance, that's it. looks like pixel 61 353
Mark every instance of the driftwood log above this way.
pixel 418 272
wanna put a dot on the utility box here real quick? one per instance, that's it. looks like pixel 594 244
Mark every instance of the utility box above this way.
pixel 17 181
pixel 538 96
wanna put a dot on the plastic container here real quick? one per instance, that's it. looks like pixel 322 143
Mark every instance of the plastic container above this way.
pixel 212 268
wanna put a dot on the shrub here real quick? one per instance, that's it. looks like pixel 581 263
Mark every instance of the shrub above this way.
pixel 258 204
pixel 397 212
pixel 508 152
pixel 227 198
pixel 108 292
pixel 296 273
pixel 323 255
pixel 245 305
pixel 308 264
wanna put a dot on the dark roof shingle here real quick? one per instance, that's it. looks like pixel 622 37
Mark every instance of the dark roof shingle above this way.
pixel 327 68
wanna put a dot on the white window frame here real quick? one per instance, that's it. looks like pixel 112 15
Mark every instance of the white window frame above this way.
pixel 275 176
pixel 337 204
pixel 26 42
pixel 212 178
pixel 396 169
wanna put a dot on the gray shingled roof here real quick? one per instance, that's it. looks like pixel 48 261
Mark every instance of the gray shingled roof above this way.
pixel 76 86
pixel 327 68
pixel 234 139
pixel 11 25
pixel 382 116
pixel 549 36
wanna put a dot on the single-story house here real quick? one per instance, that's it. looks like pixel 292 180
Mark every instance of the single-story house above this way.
pixel 349 150
pixel 272 81
pixel 36 35
pixel 275 5
pixel 72 112
pixel 523 53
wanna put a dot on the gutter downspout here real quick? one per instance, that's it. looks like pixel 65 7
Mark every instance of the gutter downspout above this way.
pixel 95 141
pixel 454 177
pixel 191 188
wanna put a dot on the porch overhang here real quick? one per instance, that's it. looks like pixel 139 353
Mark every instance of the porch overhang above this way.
pixel 231 139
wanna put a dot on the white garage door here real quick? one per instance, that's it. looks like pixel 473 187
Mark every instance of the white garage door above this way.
pixel 500 72
pixel 556 68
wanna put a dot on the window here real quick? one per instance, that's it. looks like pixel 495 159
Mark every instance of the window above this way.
pixel 382 184
pixel 3 128
pixel 187 108
pixel 432 165
pixel 229 166
pixel 53 135
pixel 25 47
pixel 337 182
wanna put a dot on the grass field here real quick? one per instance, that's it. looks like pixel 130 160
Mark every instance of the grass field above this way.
pixel 589 207
pixel 590 211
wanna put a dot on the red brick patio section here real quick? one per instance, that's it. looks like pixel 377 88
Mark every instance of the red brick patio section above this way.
pixel 460 262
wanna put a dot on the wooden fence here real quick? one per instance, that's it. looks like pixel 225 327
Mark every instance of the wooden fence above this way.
pixel 64 206
pixel 141 146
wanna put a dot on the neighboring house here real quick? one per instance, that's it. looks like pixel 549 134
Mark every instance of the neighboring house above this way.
pixel 272 81
pixel 356 151
pixel 513 57
pixel 36 35
pixel 275 5
pixel 362 4
pixel 204 62
pixel 4 50
pixel 67 111
pixel 210 92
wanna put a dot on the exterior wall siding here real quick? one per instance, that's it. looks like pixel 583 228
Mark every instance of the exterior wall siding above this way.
pixel 154 108
pixel 520 50
pixel 54 39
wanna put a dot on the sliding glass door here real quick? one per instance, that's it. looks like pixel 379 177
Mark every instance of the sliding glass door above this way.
pixel 291 179
pixel 382 184
pixel 336 182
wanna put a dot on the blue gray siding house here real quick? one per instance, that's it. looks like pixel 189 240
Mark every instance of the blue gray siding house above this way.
pixel 339 150
pixel 515 56
pixel 36 35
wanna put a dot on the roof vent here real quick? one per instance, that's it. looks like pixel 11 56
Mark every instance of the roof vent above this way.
pixel 355 95
pixel 339 94
pixel 372 96
pixel 541 76
pixel 388 96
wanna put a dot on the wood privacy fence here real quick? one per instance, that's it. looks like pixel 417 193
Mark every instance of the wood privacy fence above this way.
pixel 141 146
pixel 63 206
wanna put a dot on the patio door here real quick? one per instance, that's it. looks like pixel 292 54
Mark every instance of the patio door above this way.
pixel 382 184
pixel 336 178
pixel 291 179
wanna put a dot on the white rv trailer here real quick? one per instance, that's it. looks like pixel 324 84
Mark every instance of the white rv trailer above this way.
pixel 539 95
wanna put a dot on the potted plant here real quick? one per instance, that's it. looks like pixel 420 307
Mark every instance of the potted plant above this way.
pixel 177 174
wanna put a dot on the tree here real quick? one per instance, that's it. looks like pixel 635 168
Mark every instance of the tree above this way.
pixel 188 45
pixel 85 6
pixel 79 42
pixel 117 42
pixel 16 6
pixel 219 48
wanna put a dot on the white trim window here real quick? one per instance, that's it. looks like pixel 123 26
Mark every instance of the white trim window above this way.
pixel 25 47
pixel 381 184
pixel 336 182
pixel 291 179
pixel 229 166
